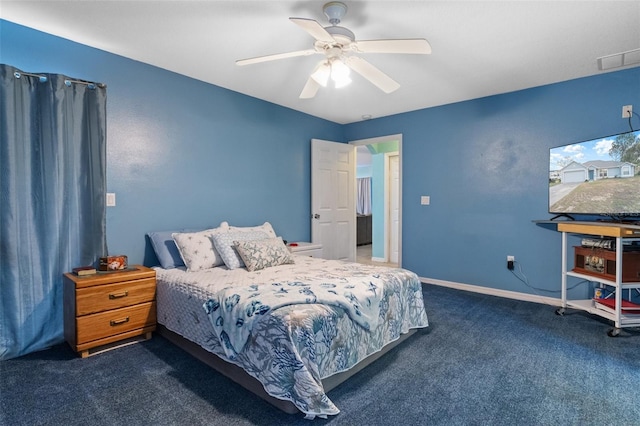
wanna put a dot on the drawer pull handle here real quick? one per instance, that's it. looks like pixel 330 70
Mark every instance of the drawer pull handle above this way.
pixel 119 321
pixel 118 295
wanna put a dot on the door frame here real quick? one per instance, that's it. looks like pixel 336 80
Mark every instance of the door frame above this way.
pixel 388 207
pixel 381 139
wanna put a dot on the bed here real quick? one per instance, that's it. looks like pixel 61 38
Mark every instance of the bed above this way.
pixel 289 352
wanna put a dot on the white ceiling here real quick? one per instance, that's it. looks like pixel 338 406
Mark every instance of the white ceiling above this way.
pixel 480 48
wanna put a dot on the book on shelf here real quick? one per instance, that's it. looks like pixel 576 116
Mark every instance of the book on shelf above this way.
pixel 84 270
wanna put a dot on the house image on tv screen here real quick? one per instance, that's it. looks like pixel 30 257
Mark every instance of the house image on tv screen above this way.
pixel 595 170
pixel 599 176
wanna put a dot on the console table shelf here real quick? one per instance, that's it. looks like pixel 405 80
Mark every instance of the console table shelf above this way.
pixel 613 282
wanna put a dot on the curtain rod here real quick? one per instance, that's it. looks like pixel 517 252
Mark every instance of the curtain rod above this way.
pixel 67 81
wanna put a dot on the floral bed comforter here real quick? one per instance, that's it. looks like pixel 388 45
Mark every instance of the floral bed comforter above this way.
pixel 292 348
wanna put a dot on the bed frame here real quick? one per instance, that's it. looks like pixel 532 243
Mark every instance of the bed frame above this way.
pixel 252 384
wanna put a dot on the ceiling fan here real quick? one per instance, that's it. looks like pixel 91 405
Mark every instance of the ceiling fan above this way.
pixel 338 45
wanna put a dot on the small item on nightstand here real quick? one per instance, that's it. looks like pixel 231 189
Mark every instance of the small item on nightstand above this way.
pixel 293 244
pixel 84 270
pixel 113 263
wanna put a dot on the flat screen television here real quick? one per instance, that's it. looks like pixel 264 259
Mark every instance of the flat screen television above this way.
pixel 596 177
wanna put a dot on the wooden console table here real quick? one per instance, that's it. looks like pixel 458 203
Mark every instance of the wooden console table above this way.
pixel 620 316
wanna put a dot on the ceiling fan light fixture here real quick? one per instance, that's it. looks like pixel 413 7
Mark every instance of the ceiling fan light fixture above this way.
pixel 342 82
pixel 340 73
pixel 321 74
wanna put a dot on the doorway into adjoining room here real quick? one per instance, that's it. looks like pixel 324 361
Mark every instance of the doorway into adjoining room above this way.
pixel 378 208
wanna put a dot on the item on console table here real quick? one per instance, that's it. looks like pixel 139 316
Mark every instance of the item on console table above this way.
pixel 84 270
pixel 610 244
pixel 603 243
pixel 113 263
pixel 602 263
pixel 628 307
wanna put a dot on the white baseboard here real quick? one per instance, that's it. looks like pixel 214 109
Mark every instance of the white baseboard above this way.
pixel 378 259
pixel 494 292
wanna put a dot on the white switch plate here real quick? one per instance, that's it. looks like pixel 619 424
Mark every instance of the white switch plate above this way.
pixel 425 200
pixel 111 199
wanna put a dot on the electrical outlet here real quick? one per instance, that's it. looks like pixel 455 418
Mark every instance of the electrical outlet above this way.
pixel 627 111
pixel 510 260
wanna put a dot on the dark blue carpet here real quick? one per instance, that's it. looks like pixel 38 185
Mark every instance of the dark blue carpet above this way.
pixel 483 361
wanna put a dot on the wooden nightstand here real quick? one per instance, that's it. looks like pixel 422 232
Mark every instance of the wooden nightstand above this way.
pixel 306 249
pixel 108 307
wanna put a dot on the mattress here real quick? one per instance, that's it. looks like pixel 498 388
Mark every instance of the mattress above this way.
pixel 293 348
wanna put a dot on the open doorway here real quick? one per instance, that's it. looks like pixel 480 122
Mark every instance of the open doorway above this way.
pixel 379 228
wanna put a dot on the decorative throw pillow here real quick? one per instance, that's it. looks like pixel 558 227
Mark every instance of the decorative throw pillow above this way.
pixel 165 247
pixel 197 249
pixel 224 243
pixel 265 227
pixel 260 254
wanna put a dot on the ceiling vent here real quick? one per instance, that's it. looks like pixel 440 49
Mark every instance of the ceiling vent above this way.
pixel 617 60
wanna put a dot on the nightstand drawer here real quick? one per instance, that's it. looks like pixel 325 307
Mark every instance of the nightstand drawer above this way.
pixel 101 298
pixel 97 326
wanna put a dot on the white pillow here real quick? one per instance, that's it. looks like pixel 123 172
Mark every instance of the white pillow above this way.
pixel 225 241
pixel 260 254
pixel 197 249
pixel 266 228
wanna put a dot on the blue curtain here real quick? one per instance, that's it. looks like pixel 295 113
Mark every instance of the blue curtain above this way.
pixel 52 200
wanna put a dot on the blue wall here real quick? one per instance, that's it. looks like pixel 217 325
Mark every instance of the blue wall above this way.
pixel 186 153
pixel 485 165
pixel 183 153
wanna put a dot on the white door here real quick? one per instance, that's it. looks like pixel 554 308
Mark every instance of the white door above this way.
pixel 333 202
pixel 394 207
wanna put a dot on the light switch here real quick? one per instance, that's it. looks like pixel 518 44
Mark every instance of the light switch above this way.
pixel 425 200
pixel 111 199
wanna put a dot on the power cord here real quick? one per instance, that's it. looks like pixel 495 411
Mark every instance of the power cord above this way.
pixel 630 117
pixel 520 275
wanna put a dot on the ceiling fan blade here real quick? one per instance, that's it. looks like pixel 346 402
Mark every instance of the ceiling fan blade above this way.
pixel 316 30
pixel 418 46
pixel 310 89
pixel 373 74
pixel 266 58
